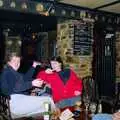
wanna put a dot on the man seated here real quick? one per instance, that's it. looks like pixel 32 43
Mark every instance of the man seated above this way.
pixel 17 86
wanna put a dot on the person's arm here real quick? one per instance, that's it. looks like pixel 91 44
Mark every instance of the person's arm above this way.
pixel 77 84
pixel 13 83
pixel 4 88
pixel 22 85
pixel 43 75
pixel 29 74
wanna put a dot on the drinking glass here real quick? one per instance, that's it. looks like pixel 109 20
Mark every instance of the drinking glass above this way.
pixel 86 102
pixel 92 108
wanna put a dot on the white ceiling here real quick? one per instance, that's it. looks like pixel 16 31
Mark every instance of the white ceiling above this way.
pixel 92 4
pixel 113 8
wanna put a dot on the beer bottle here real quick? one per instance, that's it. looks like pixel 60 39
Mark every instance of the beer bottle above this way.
pixel 46 114
pixel 100 107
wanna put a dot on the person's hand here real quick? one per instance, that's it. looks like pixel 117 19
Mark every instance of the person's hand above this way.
pixel 48 85
pixel 77 93
pixel 49 71
pixel 116 116
pixel 35 64
pixel 37 82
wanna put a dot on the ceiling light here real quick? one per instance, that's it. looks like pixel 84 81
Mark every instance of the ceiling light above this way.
pixel 1 3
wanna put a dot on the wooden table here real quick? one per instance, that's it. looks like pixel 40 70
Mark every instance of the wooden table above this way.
pixel 84 115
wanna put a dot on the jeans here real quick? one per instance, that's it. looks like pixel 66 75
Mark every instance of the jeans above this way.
pixel 24 105
pixel 68 102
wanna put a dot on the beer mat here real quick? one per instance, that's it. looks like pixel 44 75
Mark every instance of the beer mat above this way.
pixel 66 115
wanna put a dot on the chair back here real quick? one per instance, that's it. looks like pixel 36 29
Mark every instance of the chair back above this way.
pixel 117 97
pixel 5 107
pixel 88 88
pixel 107 104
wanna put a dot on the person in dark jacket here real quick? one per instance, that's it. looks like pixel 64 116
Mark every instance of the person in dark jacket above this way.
pixel 16 85
pixel 13 82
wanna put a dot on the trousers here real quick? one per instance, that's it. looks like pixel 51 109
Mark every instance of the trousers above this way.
pixel 25 105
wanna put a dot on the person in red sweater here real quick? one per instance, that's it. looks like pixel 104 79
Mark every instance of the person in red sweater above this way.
pixel 66 86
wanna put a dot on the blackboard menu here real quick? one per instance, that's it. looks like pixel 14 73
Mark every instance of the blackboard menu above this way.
pixel 83 36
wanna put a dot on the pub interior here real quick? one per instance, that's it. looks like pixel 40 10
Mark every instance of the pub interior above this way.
pixel 88 42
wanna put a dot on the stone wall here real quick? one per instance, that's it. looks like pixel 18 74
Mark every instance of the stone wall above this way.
pixel 118 56
pixel 81 64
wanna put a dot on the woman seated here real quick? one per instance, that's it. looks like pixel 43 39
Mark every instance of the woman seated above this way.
pixel 66 86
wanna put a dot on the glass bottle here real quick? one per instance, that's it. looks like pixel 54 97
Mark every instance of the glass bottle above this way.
pixel 46 115
pixel 100 107
pixel 77 109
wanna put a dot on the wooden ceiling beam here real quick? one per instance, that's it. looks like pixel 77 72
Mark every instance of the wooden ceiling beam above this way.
pixel 106 5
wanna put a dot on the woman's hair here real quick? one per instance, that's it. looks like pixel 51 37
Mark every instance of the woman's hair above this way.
pixel 58 59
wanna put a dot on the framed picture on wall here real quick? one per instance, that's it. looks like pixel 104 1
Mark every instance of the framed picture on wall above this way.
pixel 12 43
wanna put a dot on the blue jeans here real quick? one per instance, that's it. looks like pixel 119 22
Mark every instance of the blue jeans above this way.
pixel 68 102
pixel 24 105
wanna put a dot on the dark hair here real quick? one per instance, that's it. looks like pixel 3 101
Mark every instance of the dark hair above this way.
pixel 11 54
pixel 58 59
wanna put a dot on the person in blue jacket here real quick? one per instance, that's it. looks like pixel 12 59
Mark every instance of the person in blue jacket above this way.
pixel 12 82
pixel 17 86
